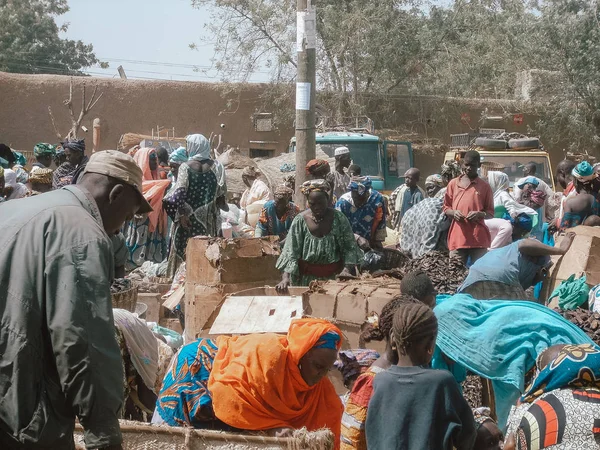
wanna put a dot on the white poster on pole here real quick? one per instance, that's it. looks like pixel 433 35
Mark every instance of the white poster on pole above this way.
pixel 303 96
pixel 306 28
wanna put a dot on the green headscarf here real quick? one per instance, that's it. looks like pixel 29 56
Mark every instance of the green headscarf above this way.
pixel 43 149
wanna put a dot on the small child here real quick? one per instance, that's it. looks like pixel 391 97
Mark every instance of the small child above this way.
pixel 414 407
pixel 417 284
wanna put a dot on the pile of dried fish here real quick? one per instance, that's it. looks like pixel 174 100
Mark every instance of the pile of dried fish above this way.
pixel 585 319
pixel 473 391
pixel 446 274
pixel 120 285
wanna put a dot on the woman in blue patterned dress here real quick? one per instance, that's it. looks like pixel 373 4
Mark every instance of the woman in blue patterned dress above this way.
pixel 194 202
pixel 365 209
pixel 277 215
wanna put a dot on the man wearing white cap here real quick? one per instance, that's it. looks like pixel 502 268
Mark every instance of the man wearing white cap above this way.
pixel 58 355
pixel 341 178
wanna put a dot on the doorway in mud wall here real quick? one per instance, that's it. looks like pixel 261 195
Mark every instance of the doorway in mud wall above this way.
pixel 261 153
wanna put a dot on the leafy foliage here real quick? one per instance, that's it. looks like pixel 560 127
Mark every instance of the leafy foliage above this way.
pixel 30 39
pixel 462 48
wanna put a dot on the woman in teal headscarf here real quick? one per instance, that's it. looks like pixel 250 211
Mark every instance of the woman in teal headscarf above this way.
pixel 193 204
pixel 585 203
pixel 499 340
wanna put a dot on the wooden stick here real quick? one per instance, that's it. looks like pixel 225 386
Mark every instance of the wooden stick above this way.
pixel 215 435
pixel 54 123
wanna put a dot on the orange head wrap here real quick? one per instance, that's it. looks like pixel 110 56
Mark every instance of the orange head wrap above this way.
pixel 256 383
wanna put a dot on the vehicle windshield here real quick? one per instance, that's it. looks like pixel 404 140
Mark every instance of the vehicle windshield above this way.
pixel 513 166
pixel 364 154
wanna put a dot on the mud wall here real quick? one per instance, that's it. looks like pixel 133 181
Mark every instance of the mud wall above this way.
pixel 138 106
pixel 132 106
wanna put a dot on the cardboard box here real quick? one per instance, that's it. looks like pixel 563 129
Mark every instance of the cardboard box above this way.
pixel 154 303
pixel 348 305
pixel 213 261
pixel 202 304
pixel 582 258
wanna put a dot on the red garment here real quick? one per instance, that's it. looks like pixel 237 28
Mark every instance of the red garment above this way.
pixel 477 196
pixel 570 188
pixel 320 270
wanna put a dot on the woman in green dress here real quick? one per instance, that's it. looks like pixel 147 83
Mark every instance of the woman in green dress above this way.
pixel 193 204
pixel 320 244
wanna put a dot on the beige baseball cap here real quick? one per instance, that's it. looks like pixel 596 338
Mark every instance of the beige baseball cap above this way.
pixel 122 167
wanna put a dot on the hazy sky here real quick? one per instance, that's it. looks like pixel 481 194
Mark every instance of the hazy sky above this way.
pixel 133 33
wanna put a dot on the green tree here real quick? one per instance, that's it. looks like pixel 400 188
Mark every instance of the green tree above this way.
pixel 30 39
pixel 572 115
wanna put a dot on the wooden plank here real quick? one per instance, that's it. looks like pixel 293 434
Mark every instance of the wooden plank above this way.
pixel 175 298
pixel 257 314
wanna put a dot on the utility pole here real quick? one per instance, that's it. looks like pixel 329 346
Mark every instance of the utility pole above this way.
pixel 305 91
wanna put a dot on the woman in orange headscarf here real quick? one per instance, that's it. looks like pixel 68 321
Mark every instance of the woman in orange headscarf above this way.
pixel 146 236
pixel 256 382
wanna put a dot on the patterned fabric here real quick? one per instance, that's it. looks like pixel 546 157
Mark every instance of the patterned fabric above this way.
pixel 63 175
pixel 20 159
pixel 563 419
pixel 22 175
pixel 282 191
pixel 352 363
pixel 302 245
pixel 583 171
pixel 571 220
pixel 423 228
pixel 494 290
pixel 77 145
pixel 403 199
pixel 355 413
pixel 184 398
pixel 576 366
pixel 317 185
pixel 317 168
pixel 360 184
pixel 43 149
pixel 195 195
pixel 142 244
pixel 41 176
pixel 178 156
pixel 198 147
pixel 146 235
pixel 330 340
pixel 270 225
pixel 482 415
pixel 435 179
pixel 369 220
pixel 451 170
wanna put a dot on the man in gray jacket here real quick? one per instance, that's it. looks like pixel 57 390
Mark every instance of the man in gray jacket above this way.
pixel 58 355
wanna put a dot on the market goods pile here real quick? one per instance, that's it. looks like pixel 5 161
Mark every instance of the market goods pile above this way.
pixel 446 274
pixel 585 319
